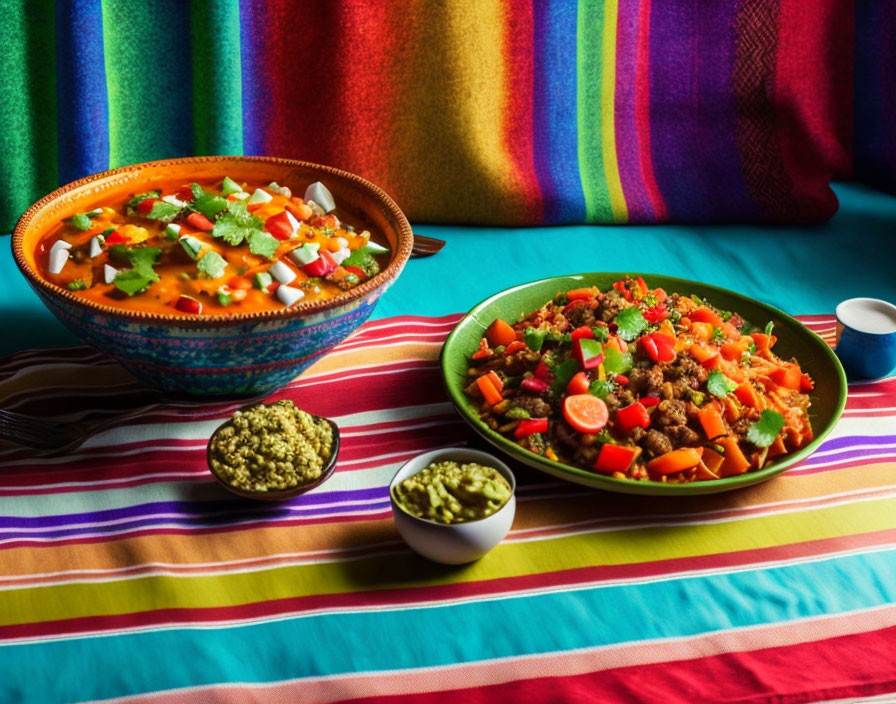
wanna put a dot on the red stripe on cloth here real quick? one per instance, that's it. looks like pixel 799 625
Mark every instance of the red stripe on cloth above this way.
pixel 397 563
pixel 519 125
pixel 815 671
pixel 642 112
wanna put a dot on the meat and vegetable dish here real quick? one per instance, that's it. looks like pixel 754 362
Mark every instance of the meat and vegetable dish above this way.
pixel 211 249
pixel 641 384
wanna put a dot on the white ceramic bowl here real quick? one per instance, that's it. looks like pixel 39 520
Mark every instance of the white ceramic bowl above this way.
pixel 455 543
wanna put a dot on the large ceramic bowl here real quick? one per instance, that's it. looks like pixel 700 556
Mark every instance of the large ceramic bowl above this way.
pixel 794 340
pixel 225 355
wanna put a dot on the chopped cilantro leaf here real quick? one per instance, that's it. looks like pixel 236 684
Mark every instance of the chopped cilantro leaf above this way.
pixel 363 259
pixel 77 285
pixel 719 385
pixel 143 257
pixel 601 334
pixel 81 221
pixel 563 373
pixel 717 334
pixel 237 225
pixel 604 438
pixel 135 201
pixel 166 212
pixel 630 323
pixel 763 432
pixel 263 243
pixel 212 265
pixel 207 203
pixel 133 281
pixel 617 362
pixel 600 388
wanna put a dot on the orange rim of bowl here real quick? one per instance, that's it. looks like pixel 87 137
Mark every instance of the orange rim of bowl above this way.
pixel 390 273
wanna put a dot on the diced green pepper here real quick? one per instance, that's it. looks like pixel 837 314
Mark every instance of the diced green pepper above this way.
pixel 229 186
pixel 262 280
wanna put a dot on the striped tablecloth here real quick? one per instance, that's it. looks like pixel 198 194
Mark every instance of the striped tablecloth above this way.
pixel 127 574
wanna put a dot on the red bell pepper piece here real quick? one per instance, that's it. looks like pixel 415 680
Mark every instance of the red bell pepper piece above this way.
pixel 621 379
pixel 631 417
pixel 144 207
pixel 648 401
pixel 321 266
pixel 184 193
pixel 534 385
pixel 623 289
pixel 616 458
pixel 116 238
pixel 278 225
pixel 542 372
pixel 530 426
pixel 648 346
pixel 512 348
pixel 656 314
pixel 200 222
pixel 582 332
pixel 186 304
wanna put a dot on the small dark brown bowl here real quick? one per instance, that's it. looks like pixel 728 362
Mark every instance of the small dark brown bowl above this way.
pixel 280 494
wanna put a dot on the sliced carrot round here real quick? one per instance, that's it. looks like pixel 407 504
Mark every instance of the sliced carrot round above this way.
pixel 585 413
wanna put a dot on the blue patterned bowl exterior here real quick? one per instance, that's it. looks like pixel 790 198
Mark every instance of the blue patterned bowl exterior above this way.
pixel 234 360
pixel 233 355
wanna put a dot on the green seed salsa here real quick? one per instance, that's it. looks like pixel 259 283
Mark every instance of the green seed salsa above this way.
pixel 451 492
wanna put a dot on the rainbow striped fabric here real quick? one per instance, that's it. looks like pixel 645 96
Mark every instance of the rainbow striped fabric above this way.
pixel 128 575
pixel 509 113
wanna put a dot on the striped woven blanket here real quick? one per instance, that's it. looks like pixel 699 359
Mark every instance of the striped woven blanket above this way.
pixel 127 574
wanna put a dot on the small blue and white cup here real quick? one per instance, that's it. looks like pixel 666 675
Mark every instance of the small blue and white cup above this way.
pixel 866 331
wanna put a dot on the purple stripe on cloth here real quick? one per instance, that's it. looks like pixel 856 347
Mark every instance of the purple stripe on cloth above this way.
pixel 627 138
pixel 850 440
pixel 209 511
pixel 692 111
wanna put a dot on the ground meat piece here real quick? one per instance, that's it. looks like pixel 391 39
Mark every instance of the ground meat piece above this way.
pixel 564 436
pixel 682 435
pixel 518 363
pixel 670 412
pixel 656 443
pixel 580 315
pixel 740 427
pixel 687 369
pixel 636 434
pixel 613 402
pixel 610 305
pixel 647 380
pixel 537 407
pixel 626 397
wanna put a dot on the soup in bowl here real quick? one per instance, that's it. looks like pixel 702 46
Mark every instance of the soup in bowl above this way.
pixel 213 275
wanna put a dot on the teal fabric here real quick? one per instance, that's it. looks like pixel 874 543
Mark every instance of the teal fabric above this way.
pixel 802 270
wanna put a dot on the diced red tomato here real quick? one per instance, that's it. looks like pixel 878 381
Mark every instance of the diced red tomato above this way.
pixel 200 222
pixel 583 331
pixel 483 350
pixel 186 304
pixel 578 384
pixel 657 346
pixel 116 238
pixel 184 193
pixel 322 266
pixel 512 348
pixel 621 379
pixel 656 313
pixel 542 371
pixel 278 225
pixel 702 314
pixel 144 207
pixel 806 383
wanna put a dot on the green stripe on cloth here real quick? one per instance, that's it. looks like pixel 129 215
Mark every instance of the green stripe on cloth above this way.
pixel 147 56
pixel 28 154
pixel 217 83
pixel 590 29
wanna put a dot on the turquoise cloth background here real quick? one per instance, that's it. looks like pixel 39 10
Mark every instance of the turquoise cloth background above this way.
pixel 802 270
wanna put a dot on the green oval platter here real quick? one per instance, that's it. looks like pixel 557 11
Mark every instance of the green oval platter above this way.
pixel 794 340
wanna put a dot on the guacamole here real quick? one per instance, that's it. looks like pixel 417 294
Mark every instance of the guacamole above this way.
pixel 452 492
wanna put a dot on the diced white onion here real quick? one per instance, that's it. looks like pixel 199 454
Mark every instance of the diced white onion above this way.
pixel 96 246
pixel 173 230
pixel 321 195
pixel 342 242
pixel 58 260
pixel 341 255
pixel 57 245
pixel 240 195
pixel 315 208
pixel 282 273
pixel 289 295
pixel 94 212
pixel 174 200
pixel 305 254
pixel 259 196
pixel 109 273
pixel 293 223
